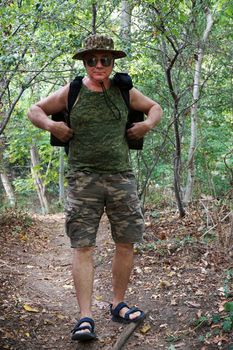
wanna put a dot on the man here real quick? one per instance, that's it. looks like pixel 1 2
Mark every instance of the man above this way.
pixel 99 174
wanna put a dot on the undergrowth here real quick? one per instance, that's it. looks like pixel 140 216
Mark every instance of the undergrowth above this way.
pixel 16 220
pixel 220 322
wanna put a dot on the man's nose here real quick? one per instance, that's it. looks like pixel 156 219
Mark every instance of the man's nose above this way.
pixel 99 64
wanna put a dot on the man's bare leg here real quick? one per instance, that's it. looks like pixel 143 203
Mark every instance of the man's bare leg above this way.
pixel 121 269
pixel 83 274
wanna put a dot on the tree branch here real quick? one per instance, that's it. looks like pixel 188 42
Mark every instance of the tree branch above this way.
pixel 129 329
pixel 23 88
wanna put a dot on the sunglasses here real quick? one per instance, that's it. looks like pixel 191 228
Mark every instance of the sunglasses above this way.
pixel 105 61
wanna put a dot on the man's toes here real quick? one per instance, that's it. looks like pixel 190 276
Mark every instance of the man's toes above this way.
pixel 83 324
pixel 131 316
pixel 134 315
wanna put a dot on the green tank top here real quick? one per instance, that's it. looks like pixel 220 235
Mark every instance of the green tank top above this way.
pixel 99 143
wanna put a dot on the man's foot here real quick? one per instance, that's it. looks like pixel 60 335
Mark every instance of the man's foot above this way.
pixel 124 314
pixel 84 330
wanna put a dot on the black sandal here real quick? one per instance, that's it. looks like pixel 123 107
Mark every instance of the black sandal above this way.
pixel 126 319
pixel 84 336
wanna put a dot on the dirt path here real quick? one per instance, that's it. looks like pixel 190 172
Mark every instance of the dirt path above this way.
pixel 177 282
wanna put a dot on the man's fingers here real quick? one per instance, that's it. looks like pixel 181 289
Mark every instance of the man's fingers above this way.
pixel 62 131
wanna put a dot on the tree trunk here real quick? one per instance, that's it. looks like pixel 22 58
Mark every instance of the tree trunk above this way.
pixel 7 187
pixel 177 153
pixel 194 111
pixel 125 22
pixel 61 177
pixel 177 166
pixel 94 15
pixel 38 181
pixel 125 31
pixel 4 177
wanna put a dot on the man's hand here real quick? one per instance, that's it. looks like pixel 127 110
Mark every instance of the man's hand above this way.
pixel 152 109
pixel 138 130
pixel 61 131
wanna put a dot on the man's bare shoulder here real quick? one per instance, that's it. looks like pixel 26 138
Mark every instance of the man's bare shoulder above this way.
pixel 55 102
pixel 140 102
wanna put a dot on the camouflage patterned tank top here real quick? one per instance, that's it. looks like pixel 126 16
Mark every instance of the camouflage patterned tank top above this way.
pixel 99 143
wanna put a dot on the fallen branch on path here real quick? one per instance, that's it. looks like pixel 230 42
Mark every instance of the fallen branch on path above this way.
pixel 130 328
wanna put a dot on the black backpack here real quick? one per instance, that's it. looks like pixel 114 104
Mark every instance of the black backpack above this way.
pixel 124 82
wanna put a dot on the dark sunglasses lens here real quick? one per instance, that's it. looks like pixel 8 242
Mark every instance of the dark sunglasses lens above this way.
pixel 106 61
pixel 92 61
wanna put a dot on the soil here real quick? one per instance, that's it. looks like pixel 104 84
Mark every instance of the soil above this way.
pixel 179 279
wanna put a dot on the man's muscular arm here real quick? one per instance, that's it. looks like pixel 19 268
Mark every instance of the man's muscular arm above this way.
pixel 39 112
pixel 152 109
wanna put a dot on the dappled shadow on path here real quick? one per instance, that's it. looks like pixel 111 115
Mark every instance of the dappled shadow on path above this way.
pixel 177 282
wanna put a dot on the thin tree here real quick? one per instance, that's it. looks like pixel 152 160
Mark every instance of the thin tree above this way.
pixel 5 178
pixel 194 108
pixel 94 16
pixel 125 30
pixel 169 62
pixel 35 165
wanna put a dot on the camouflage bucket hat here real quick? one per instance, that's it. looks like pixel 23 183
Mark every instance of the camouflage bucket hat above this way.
pixel 98 43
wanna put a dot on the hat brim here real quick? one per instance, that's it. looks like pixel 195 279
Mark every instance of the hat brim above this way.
pixel 116 54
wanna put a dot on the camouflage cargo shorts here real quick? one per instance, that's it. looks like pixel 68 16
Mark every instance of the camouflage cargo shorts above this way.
pixel 90 194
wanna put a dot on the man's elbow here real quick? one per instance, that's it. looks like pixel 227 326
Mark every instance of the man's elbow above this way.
pixel 158 111
pixel 33 114
pixel 30 113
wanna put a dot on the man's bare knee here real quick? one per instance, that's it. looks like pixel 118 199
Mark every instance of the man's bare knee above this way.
pixel 83 252
pixel 124 247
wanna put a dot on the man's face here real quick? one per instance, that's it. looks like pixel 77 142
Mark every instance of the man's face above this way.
pixel 99 65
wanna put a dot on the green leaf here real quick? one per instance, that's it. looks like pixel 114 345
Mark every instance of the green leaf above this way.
pixel 171 347
pixel 216 331
pixel 216 318
pixel 228 306
pixel 201 338
pixel 227 325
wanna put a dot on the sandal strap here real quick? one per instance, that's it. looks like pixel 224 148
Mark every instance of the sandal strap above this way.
pixel 117 309
pixel 76 329
pixel 78 326
pixel 132 310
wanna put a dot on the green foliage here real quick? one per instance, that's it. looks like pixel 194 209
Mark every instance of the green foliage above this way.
pixel 222 321
pixel 171 347
pixel 228 286
pixel 216 318
pixel 38 40
pixel 201 322
pixel 227 324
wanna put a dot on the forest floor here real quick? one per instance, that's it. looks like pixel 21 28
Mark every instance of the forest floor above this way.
pixel 181 277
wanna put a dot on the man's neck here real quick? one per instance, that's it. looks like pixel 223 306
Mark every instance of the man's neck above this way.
pixel 96 85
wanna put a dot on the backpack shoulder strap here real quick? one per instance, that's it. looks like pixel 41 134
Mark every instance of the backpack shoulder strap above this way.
pixel 75 87
pixel 124 82
pixel 125 95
